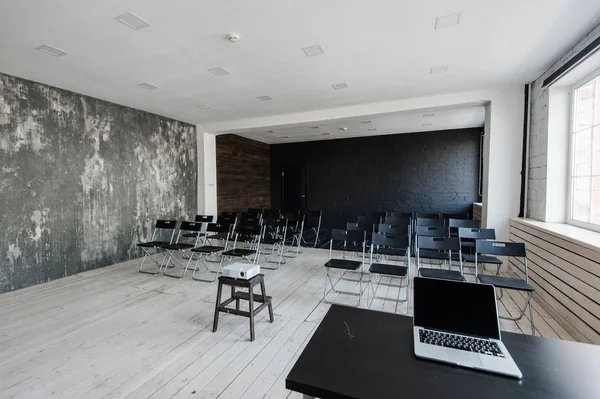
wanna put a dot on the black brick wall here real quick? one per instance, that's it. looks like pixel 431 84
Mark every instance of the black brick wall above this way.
pixel 429 172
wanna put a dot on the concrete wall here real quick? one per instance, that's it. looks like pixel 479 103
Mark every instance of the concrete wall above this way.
pixel 82 181
pixel 537 191
pixel 423 172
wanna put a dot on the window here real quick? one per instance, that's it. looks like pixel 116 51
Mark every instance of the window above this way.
pixel 584 198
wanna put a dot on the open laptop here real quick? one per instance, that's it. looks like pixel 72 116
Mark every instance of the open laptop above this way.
pixel 457 323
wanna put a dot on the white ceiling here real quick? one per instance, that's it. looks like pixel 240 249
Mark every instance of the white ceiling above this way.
pixel 470 115
pixel 383 49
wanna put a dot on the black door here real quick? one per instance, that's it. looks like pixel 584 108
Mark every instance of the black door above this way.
pixel 293 187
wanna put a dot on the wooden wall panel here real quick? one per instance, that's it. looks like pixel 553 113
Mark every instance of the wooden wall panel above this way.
pixel 243 174
pixel 566 277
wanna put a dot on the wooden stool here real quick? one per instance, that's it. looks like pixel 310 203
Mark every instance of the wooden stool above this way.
pixel 236 296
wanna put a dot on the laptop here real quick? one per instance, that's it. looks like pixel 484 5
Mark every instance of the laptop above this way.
pixel 457 323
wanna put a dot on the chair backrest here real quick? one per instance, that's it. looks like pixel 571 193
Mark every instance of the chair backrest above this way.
pixel 433 231
pixel 400 214
pixel 476 234
pixel 165 224
pixel 274 222
pixel 438 243
pixel 378 216
pixel 430 222
pixel 464 223
pixel 351 226
pixel 248 218
pixel 427 215
pixel 462 215
pixel 401 241
pixel 190 226
pixel 229 214
pixel 256 212
pixel 313 218
pixel 500 248
pixel 391 229
pixel 248 229
pixel 218 227
pixel 271 213
pixel 204 218
pixel 348 235
pixel 398 220
pixel 367 220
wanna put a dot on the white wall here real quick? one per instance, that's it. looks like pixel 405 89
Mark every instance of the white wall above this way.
pixel 559 107
pixel 503 140
pixel 207 172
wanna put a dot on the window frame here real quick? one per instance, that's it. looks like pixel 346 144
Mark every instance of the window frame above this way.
pixel 573 109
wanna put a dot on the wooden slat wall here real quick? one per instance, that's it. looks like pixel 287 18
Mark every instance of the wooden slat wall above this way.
pixel 476 211
pixel 566 277
pixel 243 174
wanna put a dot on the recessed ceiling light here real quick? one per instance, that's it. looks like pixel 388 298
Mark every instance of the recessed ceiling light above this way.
pixel 219 71
pixel 133 21
pixel 366 122
pixel 148 86
pixel 438 69
pixel 51 50
pixel 314 50
pixel 427 124
pixel 339 86
pixel 204 106
pixel 428 115
pixel 448 20
pixel 265 98
pixel 343 128
pixel 372 130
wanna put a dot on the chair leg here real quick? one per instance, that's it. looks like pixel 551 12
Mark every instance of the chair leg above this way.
pixel 531 313
pixel 217 272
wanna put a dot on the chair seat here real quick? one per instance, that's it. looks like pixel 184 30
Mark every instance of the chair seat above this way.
pixel 391 251
pixel 154 244
pixel 390 270
pixel 239 252
pixel 482 259
pixel 441 274
pixel 505 282
pixel 343 264
pixel 208 249
pixel 180 246
pixel 433 255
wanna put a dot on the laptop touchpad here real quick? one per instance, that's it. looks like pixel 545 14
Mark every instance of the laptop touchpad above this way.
pixel 464 358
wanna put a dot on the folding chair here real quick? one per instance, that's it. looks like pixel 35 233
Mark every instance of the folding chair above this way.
pixel 345 265
pixel 398 220
pixel 312 221
pixel 470 236
pixel 182 247
pixel 398 245
pixel 455 224
pixel 444 247
pixel 295 226
pixel 511 249
pixel 160 228
pixel 208 250
pixel 250 235
pixel 274 234
pixel 204 219
pixel 256 212
pixel 430 222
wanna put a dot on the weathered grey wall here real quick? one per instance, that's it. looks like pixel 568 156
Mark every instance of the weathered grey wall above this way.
pixel 82 180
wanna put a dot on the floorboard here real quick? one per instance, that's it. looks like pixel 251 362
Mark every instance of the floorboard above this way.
pixel 116 333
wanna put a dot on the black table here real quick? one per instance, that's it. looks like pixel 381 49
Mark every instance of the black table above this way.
pixel 357 353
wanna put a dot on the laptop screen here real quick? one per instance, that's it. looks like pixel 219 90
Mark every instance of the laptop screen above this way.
pixel 452 306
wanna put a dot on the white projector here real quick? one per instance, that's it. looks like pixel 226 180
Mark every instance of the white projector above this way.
pixel 244 271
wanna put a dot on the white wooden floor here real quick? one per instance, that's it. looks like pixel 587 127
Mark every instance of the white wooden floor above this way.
pixel 116 333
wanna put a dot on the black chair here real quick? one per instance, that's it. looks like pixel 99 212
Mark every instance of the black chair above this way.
pixel 509 249
pixel 256 212
pixel 468 238
pixel 271 213
pixel 161 230
pixel 221 230
pixel 426 215
pixel 369 222
pixel 352 226
pixel 393 231
pixel 274 234
pixel 398 245
pixel 444 247
pixel 429 222
pixel 456 223
pixel 379 217
pixel 182 247
pixel 312 224
pixel 295 227
pixel 345 265
pixel 228 218
pixel 248 234
pixel 199 219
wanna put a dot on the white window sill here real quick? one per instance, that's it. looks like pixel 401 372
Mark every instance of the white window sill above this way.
pixel 586 238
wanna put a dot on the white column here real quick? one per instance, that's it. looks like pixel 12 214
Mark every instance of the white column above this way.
pixel 207 172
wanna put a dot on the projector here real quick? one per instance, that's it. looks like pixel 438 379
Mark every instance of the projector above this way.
pixel 244 271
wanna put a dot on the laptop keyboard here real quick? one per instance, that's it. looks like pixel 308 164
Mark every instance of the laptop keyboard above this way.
pixel 482 346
